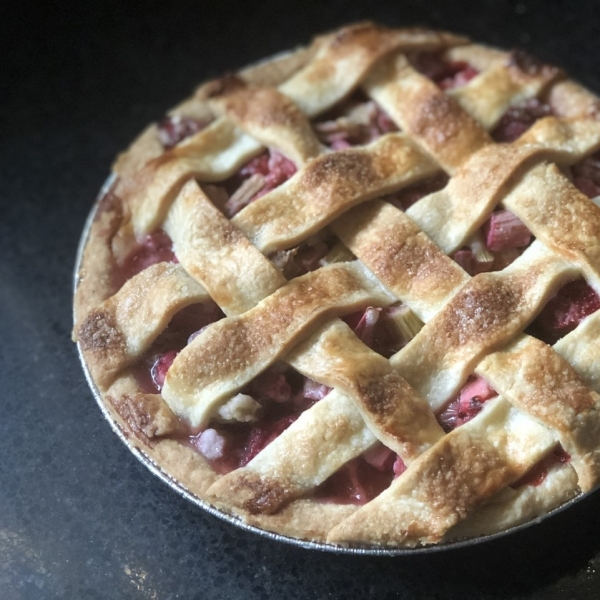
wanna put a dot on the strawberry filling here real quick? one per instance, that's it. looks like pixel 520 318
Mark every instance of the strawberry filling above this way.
pixel 175 128
pixel 467 405
pixel 561 315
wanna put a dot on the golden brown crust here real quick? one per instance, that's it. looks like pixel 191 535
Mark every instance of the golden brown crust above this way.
pixel 470 321
pixel 267 115
pixel 328 186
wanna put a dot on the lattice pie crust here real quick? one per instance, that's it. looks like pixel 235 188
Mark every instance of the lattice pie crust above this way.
pixel 457 484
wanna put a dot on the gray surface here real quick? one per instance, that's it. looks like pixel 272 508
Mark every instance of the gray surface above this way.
pixel 79 517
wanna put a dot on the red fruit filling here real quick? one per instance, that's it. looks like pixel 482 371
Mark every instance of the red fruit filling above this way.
pixel 233 445
pixel 357 482
pixel 573 302
pixel 379 328
pixel 586 175
pixel 538 473
pixel 255 179
pixel 150 372
pixel 357 122
pixel 466 259
pixel 154 248
pixel 302 259
pixel 503 238
pixel 281 395
pixel 467 405
pixel 174 129
pixel 445 74
pixel 406 197
pixel 262 435
pixel 518 119
pixel 504 230
pixel 363 478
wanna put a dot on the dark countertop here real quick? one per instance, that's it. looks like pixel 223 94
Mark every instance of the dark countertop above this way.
pixel 80 518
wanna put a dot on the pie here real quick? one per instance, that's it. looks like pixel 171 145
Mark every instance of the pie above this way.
pixel 350 294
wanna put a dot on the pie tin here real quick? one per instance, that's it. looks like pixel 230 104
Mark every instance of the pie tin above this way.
pixel 178 487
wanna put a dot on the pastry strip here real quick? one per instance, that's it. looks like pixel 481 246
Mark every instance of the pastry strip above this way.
pixel 536 379
pixel 214 251
pixel 123 327
pixel 233 351
pixel 446 483
pixel 432 118
pixel 398 416
pixel 221 149
pixel 490 310
pixel 328 186
pixel 267 115
pixel 560 216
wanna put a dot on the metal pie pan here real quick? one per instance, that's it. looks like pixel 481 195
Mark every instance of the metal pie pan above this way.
pixel 180 488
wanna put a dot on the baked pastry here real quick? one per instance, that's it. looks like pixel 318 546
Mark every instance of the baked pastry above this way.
pixel 350 294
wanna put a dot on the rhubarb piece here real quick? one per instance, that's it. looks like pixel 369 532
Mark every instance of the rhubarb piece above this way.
pixel 380 457
pixel 467 258
pixel 154 248
pixel 399 467
pixel 482 256
pixel 365 329
pixel 258 177
pixel 586 175
pixel 385 330
pixel 446 74
pixel 174 129
pixel 362 124
pixel 504 230
pixel 518 119
pixel 573 302
pixel 313 390
pixel 405 322
pixel 244 194
pixel 468 404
